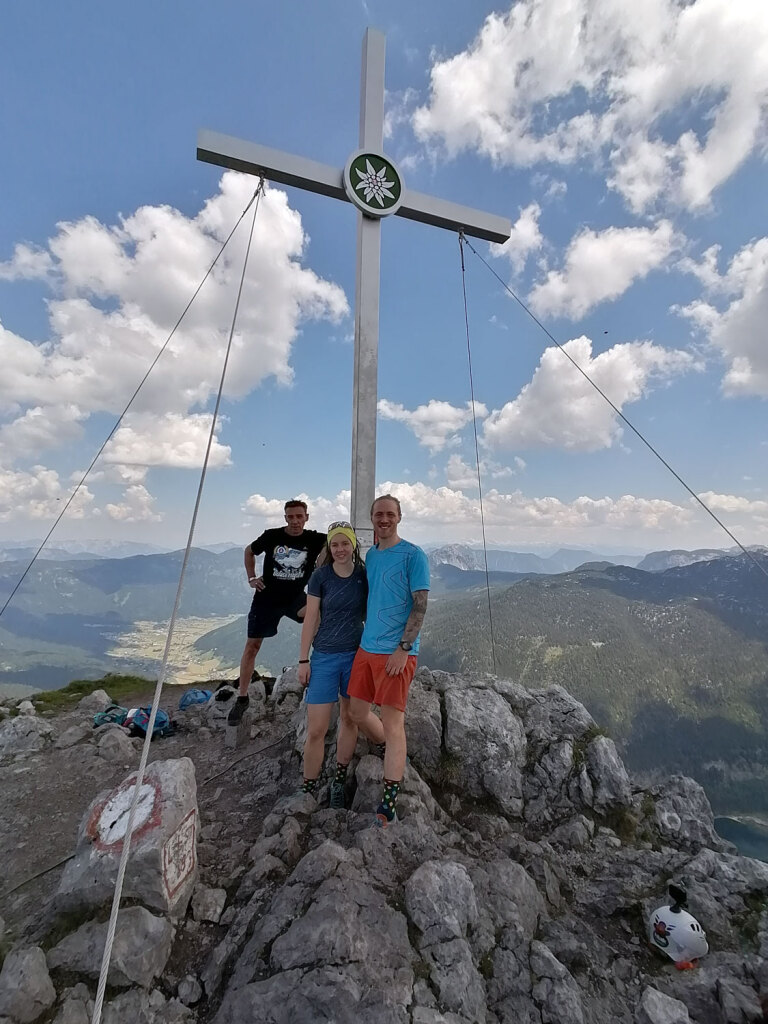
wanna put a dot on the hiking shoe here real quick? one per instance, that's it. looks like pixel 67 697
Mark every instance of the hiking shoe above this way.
pixel 337 796
pixel 382 821
pixel 236 714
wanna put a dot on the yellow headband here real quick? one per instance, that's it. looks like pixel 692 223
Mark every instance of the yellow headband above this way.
pixel 348 532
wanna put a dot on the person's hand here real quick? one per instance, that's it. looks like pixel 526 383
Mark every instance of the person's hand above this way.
pixel 257 583
pixel 396 662
pixel 304 671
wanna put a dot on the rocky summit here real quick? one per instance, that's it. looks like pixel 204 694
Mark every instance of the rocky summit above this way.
pixel 516 888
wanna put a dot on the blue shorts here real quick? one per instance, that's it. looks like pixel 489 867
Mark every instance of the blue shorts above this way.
pixel 328 677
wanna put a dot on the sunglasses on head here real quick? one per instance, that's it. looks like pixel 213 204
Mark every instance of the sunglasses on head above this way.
pixel 341 523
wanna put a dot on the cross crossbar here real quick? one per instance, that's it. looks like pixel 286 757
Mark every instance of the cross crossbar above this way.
pixel 288 169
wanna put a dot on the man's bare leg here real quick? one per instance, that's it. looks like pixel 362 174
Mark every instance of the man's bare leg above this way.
pixel 247 663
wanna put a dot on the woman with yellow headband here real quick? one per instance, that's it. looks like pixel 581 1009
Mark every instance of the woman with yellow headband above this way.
pixel 333 624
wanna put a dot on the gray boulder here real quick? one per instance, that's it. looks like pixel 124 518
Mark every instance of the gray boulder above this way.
pixel 26 989
pixel 611 785
pixel 116 745
pixel 140 950
pixel 424 727
pixel 92 703
pixel 76 1006
pixel 683 814
pixel 162 868
pixel 72 736
pixel 25 734
pixel 440 900
pixel 488 740
pixel 657 1008
pixel 208 904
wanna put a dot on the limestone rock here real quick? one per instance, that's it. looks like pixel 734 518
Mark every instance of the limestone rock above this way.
pixel 72 736
pixel 140 951
pixel 190 991
pixel 287 683
pixel 683 813
pixel 139 1007
pixel 440 900
pixel 76 1006
pixel 424 727
pixel 92 703
pixel 489 742
pixel 458 983
pixel 656 1008
pixel 611 785
pixel 162 868
pixel 26 989
pixel 555 990
pixel 26 708
pixel 208 904
pixel 115 745
pixel 24 735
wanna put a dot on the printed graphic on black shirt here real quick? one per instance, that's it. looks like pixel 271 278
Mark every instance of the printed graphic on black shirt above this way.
pixel 289 564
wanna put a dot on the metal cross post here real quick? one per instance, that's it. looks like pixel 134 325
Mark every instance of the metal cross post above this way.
pixel 372 182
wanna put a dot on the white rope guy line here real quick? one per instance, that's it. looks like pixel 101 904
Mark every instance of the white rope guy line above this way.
pixel 125 853
pixel 621 415
pixel 131 400
pixel 477 450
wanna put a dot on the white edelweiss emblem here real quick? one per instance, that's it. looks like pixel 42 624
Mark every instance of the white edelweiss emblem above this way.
pixel 373 184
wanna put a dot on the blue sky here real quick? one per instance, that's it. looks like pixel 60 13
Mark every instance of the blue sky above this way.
pixel 627 148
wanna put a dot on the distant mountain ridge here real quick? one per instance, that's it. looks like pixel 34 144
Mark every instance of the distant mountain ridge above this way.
pixel 674 663
pixel 564 560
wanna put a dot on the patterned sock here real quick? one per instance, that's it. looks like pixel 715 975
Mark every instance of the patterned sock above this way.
pixel 310 786
pixel 341 772
pixel 388 801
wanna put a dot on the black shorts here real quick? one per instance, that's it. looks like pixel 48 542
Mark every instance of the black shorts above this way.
pixel 264 616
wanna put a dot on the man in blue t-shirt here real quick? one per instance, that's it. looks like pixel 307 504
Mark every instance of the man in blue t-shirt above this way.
pixel 398 585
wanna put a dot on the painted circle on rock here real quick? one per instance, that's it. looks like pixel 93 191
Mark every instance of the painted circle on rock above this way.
pixel 373 183
pixel 109 822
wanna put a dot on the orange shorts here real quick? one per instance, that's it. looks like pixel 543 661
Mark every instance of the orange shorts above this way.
pixel 369 680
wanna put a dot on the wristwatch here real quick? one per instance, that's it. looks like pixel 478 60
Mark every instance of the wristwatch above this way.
pixel 404 645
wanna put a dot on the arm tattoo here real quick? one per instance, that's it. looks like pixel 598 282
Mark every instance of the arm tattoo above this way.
pixel 416 618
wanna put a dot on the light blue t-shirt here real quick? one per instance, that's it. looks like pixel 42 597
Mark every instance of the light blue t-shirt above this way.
pixel 393 575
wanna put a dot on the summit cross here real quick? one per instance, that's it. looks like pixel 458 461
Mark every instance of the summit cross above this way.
pixel 372 183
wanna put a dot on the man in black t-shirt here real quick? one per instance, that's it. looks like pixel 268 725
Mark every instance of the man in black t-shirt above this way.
pixel 290 553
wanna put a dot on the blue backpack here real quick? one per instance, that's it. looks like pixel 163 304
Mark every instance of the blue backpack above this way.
pixel 194 697
pixel 163 725
pixel 113 713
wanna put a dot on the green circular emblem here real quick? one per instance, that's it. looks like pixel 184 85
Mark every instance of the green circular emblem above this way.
pixel 373 184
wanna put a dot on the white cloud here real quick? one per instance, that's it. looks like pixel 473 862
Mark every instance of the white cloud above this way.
pixel 435 424
pixel 564 80
pixel 524 239
pixel 735 504
pixel 118 291
pixel 322 511
pixel 27 263
pixel 170 440
pixel 737 331
pixel 459 474
pixel 514 519
pixel 560 409
pixel 38 430
pixel 136 506
pixel 600 266
pixel 37 493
